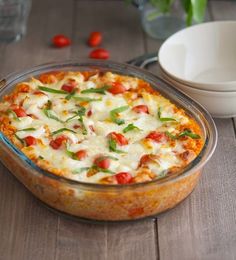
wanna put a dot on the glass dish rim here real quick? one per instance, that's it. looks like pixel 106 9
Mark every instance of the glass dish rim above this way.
pixel 207 150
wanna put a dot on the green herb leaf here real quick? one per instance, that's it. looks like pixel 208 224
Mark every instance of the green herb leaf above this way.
pixel 182 134
pixel 69 96
pixel 101 169
pixel 96 90
pixel 52 90
pixel 80 170
pixel 164 119
pixel 84 130
pixel 41 157
pixel 80 112
pixel 51 114
pixel 174 137
pixel 189 133
pixel 62 130
pixel 114 115
pixel 9 111
pixel 112 146
pixel 130 127
pixel 27 129
pixel 86 99
pixel 19 139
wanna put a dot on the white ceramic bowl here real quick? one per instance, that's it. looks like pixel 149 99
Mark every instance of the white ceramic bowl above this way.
pixel 219 104
pixel 202 56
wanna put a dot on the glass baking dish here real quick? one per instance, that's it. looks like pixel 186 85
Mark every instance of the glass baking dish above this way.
pixel 107 202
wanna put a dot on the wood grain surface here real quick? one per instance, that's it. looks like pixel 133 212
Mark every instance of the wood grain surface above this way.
pixel 202 227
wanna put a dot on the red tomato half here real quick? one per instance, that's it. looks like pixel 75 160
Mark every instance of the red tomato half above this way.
pixel 61 41
pixel 95 39
pixel 67 87
pixel 140 109
pixel 30 140
pixel 99 54
pixel 119 138
pixel 123 177
pixel 116 88
pixel 56 144
pixel 102 162
pixel 20 112
pixel 81 154
pixel 157 136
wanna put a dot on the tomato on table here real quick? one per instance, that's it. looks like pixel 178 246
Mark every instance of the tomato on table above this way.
pixel 95 39
pixel 99 54
pixel 60 41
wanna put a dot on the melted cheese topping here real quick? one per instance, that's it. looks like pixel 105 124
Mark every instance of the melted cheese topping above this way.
pixel 153 144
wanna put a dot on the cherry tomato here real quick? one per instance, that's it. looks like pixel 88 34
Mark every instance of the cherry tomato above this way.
pixel 102 162
pixel 61 41
pixel 144 159
pixel 123 177
pixel 157 136
pixel 140 109
pixel 99 54
pixel 67 87
pixel 56 144
pixel 119 138
pixel 30 140
pixel 81 154
pixel 89 113
pixel 95 39
pixel 116 88
pixel 20 112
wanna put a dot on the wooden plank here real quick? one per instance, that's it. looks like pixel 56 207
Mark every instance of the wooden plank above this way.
pixel 27 229
pixel 203 226
pixel 126 240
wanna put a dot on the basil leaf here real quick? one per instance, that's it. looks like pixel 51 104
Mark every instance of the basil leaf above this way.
pixel 19 139
pixel 101 169
pixel 114 115
pixel 189 133
pixel 96 90
pixel 70 118
pixel 52 90
pixel 81 112
pixel 86 99
pixel 41 157
pixel 62 130
pixel 9 111
pixel 84 130
pixel 112 146
pixel 51 114
pixel 182 134
pixel 27 129
pixel 69 96
pixel 164 119
pixel 130 127
pixel 80 170
pixel 174 137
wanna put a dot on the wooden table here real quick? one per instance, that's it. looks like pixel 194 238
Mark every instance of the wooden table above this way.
pixel 202 227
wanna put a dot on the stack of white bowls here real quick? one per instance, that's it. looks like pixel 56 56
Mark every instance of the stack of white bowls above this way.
pixel 201 62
